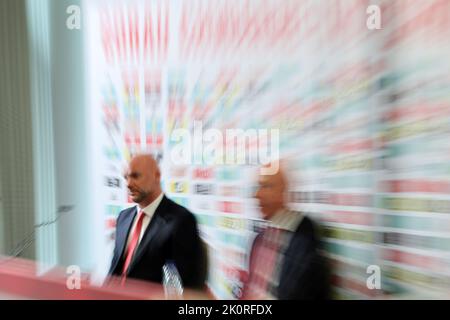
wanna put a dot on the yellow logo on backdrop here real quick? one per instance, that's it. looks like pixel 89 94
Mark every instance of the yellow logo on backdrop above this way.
pixel 178 187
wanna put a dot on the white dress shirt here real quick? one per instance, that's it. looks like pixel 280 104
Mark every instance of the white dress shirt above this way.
pixel 148 214
pixel 286 219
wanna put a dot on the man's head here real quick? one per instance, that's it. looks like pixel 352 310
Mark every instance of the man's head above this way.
pixel 143 179
pixel 271 192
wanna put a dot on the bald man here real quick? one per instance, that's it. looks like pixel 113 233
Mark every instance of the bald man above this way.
pixel 155 231
pixel 284 262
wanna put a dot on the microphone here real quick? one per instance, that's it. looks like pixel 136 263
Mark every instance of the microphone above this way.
pixel 28 240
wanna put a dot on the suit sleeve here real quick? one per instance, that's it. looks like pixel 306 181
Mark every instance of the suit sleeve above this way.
pixel 115 253
pixel 306 279
pixel 303 280
pixel 187 252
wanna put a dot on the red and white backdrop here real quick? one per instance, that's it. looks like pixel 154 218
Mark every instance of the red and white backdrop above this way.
pixel 363 117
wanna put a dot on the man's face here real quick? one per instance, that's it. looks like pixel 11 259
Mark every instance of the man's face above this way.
pixel 270 194
pixel 141 180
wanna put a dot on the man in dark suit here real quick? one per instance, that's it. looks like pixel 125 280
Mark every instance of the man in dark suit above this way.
pixel 156 231
pixel 284 262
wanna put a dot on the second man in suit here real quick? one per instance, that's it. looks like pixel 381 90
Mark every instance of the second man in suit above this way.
pixel 284 262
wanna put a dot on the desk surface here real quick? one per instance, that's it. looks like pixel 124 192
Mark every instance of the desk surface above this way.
pixel 19 280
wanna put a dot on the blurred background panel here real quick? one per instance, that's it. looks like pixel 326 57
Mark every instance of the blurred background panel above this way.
pixel 17 188
pixel 359 110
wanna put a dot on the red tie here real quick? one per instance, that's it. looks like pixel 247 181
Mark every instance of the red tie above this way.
pixel 133 243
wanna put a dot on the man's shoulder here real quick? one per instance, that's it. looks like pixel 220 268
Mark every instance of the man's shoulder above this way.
pixel 128 210
pixel 174 210
pixel 306 228
pixel 125 212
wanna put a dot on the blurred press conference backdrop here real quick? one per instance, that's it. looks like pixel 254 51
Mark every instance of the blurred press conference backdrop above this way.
pixel 361 115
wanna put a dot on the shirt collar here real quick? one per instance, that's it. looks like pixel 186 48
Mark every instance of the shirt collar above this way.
pixel 286 220
pixel 149 210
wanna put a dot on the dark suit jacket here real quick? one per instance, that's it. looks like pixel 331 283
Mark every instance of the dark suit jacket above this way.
pixel 303 274
pixel 172 234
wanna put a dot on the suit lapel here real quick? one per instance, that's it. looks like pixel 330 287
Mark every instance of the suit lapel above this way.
pixel 156 226
pixel 124 230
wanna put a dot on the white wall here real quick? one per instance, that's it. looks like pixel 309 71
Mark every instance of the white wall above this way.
pixel 75 229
